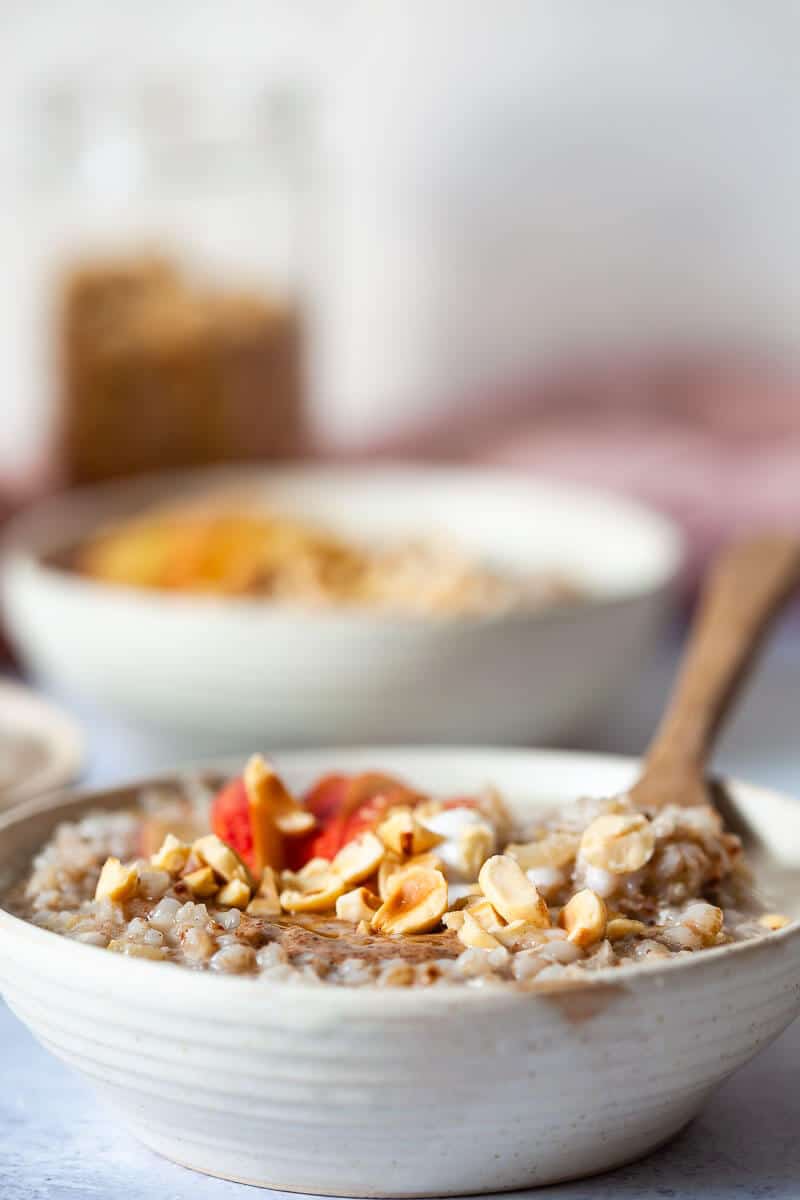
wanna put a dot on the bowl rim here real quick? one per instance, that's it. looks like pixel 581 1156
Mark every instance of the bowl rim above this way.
pixel 207 988
pixel 18 555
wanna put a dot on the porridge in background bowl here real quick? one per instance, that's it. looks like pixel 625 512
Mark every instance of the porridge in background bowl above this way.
pixel 234 551
pixel 370 881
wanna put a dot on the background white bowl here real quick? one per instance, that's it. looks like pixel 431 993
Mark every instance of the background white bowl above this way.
pixel 424 1092
pixel 241 671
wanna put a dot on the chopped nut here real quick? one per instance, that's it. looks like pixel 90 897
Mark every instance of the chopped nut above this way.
pixel 202 882
pixel 306 878
pixel 475 844
pixel 156 828
pixel 415 902
pixel 359 859
pixel 218 855
pixel 554 850
pixel 310 875
pixel 774 921
pixel 484 913
pixel 584 917
pixel 320 895
pixel 622 927
pixel 453 919
pixel 391 864
pixel 359 905
pixel 473 935
pixel 116 882
pixel 508 889
pixel 173 855
pixel 520 935
pixel 618 842
pixel 235 894
pixel 403 834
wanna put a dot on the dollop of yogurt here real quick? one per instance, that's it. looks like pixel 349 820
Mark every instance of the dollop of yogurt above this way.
pixel 450 824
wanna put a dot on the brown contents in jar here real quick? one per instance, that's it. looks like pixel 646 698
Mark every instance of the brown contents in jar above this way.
pixel 157 373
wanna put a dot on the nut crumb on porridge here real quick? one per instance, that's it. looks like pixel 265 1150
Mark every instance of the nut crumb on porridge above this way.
pixel 369 881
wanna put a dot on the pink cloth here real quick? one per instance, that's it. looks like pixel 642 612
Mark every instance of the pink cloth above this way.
pixel 717 447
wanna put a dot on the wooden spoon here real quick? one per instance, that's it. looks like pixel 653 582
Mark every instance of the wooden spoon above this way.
pixel 745 591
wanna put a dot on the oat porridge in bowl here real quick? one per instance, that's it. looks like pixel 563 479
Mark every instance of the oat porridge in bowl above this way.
pixel 369 945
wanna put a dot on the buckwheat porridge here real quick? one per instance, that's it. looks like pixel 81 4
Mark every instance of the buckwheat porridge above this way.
pixel 370 881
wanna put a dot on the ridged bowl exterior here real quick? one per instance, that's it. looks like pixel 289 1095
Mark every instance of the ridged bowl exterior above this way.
pixel 389 1092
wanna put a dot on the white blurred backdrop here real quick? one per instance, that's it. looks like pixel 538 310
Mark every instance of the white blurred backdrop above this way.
pixel 500 186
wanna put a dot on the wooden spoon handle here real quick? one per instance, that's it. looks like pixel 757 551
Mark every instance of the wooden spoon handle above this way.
pixel 746 589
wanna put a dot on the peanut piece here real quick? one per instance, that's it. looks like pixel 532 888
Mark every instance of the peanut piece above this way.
pixel 223 860
pixel 618 842
pixel 403 834
pixel 508 889
pixel 235 894
pixel 116 882
pixel 173 855
pixel 359 859
pixel 473 935
pixel 202 882
pixel 520 935
pixel 475 845
pixel 321 897
pixel 485 914
pixel 359 905
pixel 554 850
pixel 391 864
pixel 416 901
pixel 584 917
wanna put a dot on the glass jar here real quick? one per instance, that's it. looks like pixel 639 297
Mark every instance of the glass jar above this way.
pixel 160 301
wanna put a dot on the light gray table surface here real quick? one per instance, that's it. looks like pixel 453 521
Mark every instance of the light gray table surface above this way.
pixel 57 1142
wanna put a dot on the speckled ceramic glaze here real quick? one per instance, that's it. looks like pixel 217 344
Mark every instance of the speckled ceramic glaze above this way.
pixel 410 1092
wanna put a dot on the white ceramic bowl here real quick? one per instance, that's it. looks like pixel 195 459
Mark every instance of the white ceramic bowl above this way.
pixel 394 1092
pixel 232 672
